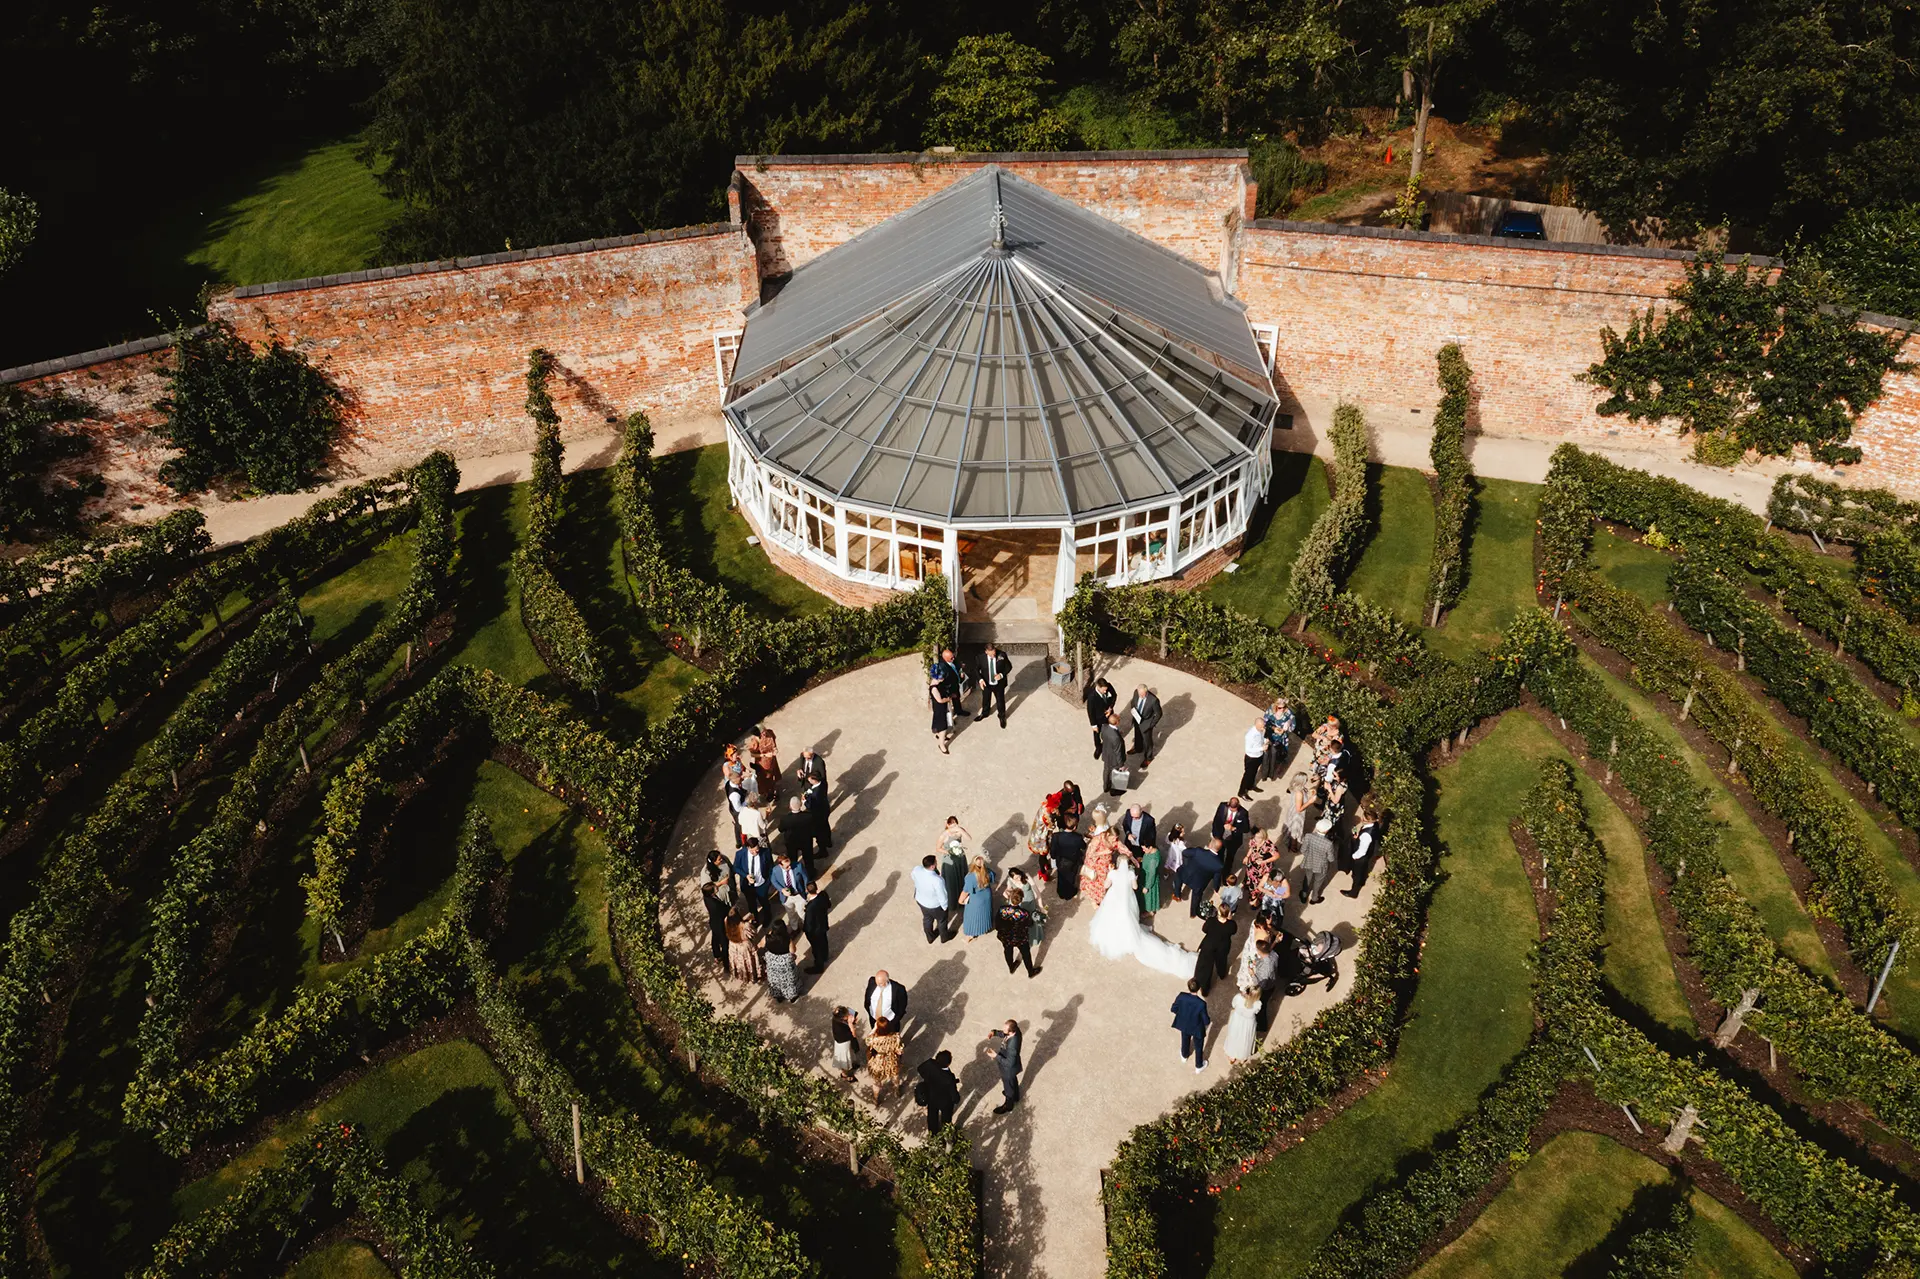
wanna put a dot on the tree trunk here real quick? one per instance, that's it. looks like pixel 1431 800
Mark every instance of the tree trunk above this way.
pixel 1425 110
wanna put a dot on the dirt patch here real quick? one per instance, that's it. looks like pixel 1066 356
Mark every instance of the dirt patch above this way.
pixel 1362 183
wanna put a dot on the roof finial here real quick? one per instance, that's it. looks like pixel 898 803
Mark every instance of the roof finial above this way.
pixel 999 226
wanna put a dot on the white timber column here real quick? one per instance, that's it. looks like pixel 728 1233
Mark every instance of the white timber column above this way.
pixel 950 562
pixel 1063 581
pixel 840 536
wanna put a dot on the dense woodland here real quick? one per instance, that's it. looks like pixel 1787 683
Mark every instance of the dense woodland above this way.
pixel 497 122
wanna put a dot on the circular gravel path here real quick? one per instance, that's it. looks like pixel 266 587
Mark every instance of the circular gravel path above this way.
pixel 1100 1053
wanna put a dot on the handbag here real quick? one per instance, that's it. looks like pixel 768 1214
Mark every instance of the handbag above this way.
pixel 1122 778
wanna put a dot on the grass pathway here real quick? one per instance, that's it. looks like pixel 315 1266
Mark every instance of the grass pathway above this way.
pixel 1499 570
pixel 1297 496
pixel 1470 1016
pixel 1559 1216
pixel 1393 569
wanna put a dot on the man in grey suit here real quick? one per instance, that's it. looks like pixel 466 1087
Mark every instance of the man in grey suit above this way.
pixel 1113 752
pixel 1316 859
pixel 1004 1047
pixel 1145 714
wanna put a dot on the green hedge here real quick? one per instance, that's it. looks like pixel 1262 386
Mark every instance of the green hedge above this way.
pixel 277 1203
pixel 62 594
pixel 1454 481
pixel 1815 589
pixel 1336 539
pixel 549 613
pixel 201 880
pixel 1849 883
pixel 47 938
pixel 1840 714
pixel 1662 1250
pixel 1889 566
pixel 1840 513
pixel 309 1038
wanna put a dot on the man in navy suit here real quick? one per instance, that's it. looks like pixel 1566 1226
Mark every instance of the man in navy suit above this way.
pixel 753 876
pixel 1191 1019
pixel 1231 822
pixel 790 880
pixel 1199 871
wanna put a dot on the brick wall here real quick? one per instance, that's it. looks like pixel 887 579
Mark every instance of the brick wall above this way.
pixel 120 386
pixel 1360 317
pixel 1361 312
pixel 436 357
pixel 797 207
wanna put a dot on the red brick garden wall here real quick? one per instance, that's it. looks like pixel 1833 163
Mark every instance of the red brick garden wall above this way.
pixel 798 207
pixel 1361 312
pixel 436 357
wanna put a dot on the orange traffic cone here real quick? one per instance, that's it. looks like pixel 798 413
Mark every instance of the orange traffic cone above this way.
pixel 1389 159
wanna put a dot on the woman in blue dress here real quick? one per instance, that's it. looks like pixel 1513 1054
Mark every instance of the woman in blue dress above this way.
pixel 976 897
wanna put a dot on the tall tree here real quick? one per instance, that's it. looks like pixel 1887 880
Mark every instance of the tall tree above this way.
pixel 536 121
pixel 990 98
pixel 1435 32
pixel 1774 114
pixel 1239 66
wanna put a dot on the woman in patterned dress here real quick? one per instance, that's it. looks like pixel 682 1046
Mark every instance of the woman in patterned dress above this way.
pixel 1103 845
pixel 743 945
pixel 883 1058
pixel 783 975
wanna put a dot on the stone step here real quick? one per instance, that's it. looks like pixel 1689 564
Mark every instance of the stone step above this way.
pixel 1015 637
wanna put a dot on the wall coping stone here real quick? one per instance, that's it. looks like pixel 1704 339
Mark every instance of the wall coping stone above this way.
pixel 1487 241
pixel 99 355
pixel 485 259
pixel 981 157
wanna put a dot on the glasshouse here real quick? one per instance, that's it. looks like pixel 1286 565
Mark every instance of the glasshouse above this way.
pixel 1004 387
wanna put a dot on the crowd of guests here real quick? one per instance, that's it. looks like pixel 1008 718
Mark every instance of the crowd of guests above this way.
pixel 767 896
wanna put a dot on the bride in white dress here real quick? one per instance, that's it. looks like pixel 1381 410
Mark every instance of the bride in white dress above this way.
pixel 1116 931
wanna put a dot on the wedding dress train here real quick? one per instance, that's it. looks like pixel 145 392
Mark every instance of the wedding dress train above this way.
pixel 1116 930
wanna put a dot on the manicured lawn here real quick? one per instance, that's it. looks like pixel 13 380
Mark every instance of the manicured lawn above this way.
pixel 316 214
pixel 711 538
pixel 1638 964
pixel 1566 1211
pixel 1297 496
pixel 1634 568
pixel 1749 856
pixel 1560 1204
pixel 349 1259
pixel 1500 573
pixel 1470 1016
pixel 1393 569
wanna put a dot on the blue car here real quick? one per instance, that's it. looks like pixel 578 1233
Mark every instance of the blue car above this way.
pixel 1518 224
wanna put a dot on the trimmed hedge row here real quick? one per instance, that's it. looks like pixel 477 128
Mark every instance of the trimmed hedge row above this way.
pixel 1336 539
pixel 546 609
pixel 1849 883
pixel 1175 1156
pixel 1815 589
pixel 1454 480
pixel 1839 513
pixel 308 1039
pixel 1889 568
pixel 60 594
pixel 77 880
pixel 676 599
pixel 274 1204
pixel 1840 714
pixel 201 880
pixel 276 642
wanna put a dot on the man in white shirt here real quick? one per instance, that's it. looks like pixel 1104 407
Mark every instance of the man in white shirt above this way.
pixel 1255 751
pixel 930 894
pixel 885 998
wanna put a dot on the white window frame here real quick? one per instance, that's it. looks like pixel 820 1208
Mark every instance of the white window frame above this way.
pixel 726 344
pixel 1267 338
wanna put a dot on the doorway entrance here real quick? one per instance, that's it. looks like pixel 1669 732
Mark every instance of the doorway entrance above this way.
pixel 1007 575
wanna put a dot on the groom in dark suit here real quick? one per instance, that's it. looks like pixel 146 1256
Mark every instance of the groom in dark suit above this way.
pixel 1191 1019
pixel 1068 848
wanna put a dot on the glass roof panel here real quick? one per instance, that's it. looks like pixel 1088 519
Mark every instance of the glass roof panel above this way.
pixel 983 493
pixel 1060 406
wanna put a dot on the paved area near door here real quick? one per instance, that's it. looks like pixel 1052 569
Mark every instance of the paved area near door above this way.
pixel 1100 1054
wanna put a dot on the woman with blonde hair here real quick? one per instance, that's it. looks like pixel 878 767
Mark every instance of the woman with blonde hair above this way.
pixel 883 1057
pixel 976 899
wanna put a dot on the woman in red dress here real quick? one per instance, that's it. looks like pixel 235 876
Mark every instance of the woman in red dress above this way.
pixel 1103 845
pixel 765 750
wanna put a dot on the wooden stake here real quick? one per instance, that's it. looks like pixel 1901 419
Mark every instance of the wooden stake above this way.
pixel 409 657
pixel 1740 664
pixel 336 941
pixel 579 1161
pixel 1613 749
pixel 175 774
pixel 853 1156
pixel 304 765
pixel 1686 707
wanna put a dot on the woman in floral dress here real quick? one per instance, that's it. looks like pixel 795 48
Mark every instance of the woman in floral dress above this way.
pixel 783 975
pixel 883 1058
pixel 1103 845
pixel 743 945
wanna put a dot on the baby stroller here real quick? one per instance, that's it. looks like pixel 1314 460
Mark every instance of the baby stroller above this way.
pixel 1308 959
